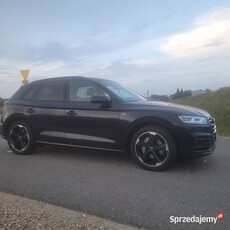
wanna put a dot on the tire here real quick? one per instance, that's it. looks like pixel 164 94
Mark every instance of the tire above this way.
pixel 153 148
pixel 20 138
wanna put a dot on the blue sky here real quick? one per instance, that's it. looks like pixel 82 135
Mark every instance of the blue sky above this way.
pixel 157 46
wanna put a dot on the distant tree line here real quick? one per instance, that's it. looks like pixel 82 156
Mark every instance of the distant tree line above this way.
pixel 178 94
pixel 156 97
pixel 181 93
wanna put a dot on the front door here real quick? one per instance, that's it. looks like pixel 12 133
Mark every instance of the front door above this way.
pixel 91 124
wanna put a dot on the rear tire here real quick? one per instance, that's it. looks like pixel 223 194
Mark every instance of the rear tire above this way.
pixel 20 138
pixel 153 148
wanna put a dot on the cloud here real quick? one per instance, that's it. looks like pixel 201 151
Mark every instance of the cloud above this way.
pixel 210 35
pixel 213 16
pixel 140 62
pixel 49 51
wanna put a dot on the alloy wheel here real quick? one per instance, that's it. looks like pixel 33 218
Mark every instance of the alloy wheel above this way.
pixel 19 138
pixel 151 149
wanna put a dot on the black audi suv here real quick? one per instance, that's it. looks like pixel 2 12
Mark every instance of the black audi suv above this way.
pixel 102 114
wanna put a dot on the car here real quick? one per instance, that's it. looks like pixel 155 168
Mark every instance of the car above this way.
pixel 97 113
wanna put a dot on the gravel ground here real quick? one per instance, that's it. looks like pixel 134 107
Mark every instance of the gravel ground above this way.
pixel 17 213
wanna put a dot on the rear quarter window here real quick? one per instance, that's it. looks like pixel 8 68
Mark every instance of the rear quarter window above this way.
pixel 51 91
pixel 30 93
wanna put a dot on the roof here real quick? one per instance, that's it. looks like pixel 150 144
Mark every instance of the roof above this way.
pixel 69 78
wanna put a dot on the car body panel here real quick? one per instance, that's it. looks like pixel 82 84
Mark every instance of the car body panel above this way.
pixel 93 128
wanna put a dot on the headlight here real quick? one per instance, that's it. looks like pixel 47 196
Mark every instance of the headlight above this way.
pixel 193 120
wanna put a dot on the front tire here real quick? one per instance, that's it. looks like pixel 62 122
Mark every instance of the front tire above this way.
pixel 153 148
pixel 20 138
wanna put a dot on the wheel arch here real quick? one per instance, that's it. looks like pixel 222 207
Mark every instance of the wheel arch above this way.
pixel 13 118
pixel 148 121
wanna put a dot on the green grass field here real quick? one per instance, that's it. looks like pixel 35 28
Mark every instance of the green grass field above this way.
pixel 216 103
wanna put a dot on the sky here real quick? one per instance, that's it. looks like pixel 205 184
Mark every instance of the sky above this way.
pixel 147 45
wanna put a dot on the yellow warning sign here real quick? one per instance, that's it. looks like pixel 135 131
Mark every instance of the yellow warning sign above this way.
pixel 25 73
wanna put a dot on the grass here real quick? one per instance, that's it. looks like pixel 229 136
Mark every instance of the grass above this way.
pixel 216 103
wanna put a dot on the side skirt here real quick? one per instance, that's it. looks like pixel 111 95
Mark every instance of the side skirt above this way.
pixel 79 146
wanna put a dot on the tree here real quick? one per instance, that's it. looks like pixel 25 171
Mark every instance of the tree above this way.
pixel 181 93
pixel 177 91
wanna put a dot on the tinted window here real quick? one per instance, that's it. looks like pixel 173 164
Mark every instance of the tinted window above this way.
pixel 51 91
pixel 83 91
pixel 31 93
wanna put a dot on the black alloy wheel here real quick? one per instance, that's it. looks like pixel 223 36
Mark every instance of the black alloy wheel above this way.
pixel 20 138
pixel 153 148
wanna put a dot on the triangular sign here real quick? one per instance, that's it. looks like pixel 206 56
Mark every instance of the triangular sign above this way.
pixel 25 73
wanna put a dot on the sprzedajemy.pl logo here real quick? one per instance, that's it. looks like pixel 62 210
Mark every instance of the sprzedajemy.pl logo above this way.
pixel 197 219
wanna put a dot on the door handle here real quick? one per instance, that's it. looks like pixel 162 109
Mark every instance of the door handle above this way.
pixel 71 113
pixel 30 111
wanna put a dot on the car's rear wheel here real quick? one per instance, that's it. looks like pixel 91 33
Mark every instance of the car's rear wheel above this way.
pixel 20 138
pixel 153 148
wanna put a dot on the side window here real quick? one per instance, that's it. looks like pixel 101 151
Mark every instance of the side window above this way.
pixel 51 91
pixel 30 93
pixel 82 91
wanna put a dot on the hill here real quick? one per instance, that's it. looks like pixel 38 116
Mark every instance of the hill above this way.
pixel 217 103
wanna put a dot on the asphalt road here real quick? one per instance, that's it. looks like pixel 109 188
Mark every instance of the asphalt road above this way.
pixel 112 186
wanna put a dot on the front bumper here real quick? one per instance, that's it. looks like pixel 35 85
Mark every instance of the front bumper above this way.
pixel 198 141
pixel 203 144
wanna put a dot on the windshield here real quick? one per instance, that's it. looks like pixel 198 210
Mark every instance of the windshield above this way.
pixel 123 93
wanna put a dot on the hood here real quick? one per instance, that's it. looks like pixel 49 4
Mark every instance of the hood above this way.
pixel 175 108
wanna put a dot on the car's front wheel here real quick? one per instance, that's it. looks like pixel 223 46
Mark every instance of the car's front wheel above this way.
pixel 20 138
pixel 153 148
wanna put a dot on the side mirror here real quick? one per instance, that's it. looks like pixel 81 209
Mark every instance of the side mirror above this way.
pixel 104 100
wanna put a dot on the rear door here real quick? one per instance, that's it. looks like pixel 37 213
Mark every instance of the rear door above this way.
pixel 44 105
